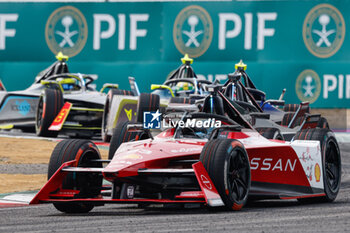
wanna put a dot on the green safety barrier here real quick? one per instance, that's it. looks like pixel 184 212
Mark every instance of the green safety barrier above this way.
pixel 298 45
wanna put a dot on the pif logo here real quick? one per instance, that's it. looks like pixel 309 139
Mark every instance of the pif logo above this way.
pixel 66 31
pixel 308 86
pixel 324 30
pixel 193 31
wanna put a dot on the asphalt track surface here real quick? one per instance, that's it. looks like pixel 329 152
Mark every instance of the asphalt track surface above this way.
pixel 264 216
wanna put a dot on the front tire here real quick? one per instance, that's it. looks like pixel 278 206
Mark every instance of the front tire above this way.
pixel 227 164
pixel 89 184
pixel 49 105
pixel 147 103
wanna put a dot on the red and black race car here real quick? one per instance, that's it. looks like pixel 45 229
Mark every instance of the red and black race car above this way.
pixel 206 159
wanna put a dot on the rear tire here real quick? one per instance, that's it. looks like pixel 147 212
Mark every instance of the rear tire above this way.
pixel 293 108
pixel 89 184
pixel 147 103
pixel 323 123
pixel 227 164
pixel 331 161
pixel 290 107
pixel 49 105
pixel 181 100
pixel 270 133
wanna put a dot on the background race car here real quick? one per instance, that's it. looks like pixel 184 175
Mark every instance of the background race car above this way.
pixel 181 88
pixel 37 107
pixel 264 114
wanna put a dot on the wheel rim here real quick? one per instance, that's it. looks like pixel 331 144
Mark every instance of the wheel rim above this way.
pixel 90 182
pixel 332 166
pixel 237 176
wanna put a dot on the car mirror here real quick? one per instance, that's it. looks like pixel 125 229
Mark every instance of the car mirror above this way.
pixel 110 86
pixel 159 86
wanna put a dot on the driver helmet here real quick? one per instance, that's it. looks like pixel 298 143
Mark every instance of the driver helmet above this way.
pixel 69 86
pixel 184 86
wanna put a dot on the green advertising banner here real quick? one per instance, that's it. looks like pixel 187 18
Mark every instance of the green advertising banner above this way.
pixel 298 45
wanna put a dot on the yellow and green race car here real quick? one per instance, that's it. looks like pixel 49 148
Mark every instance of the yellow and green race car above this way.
pixel 57 102
pixel 181 88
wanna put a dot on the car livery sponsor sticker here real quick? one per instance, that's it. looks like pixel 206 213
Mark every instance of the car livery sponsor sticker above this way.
pixel 132 156
pixel 23 107
pixel 143 151
pixel 317 172
pixel 309 155
pixel 206 182
pixel 61 117
pixel 185 150
pixel 123 162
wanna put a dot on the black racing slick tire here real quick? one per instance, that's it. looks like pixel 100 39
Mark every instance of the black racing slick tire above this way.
pixel 290 107
pixel 331 162
pixel 181 100
pixel 89 184
pixel 49 105
pixel 293 108
pixel 120 135
pixel 122 92
pixel 112 92
pixel 270 133
pixel 227 164
pixel 323 123
pixel 147 103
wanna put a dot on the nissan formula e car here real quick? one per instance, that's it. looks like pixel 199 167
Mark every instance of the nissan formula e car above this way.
pixel 182 88
pixel 207 159
pixel 43 103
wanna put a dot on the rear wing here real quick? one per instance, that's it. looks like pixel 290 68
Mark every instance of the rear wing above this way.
pixel 2 87
pixel 133 86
